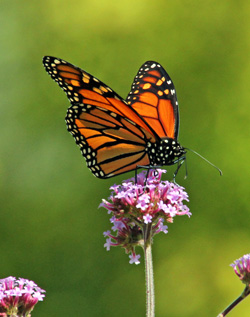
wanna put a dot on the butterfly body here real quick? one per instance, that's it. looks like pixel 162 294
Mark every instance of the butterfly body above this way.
pixel 116 135
pixel 165 152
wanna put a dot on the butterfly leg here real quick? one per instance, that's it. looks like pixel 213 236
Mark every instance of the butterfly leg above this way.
pixel 142 166
pixel 148 168
pixel 180 162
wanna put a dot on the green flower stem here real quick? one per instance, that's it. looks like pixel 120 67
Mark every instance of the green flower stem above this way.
pixel 245 293
pixel 149 274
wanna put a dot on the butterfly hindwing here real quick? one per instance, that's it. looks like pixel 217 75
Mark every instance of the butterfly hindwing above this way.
pixel 153 96
pixel 110 143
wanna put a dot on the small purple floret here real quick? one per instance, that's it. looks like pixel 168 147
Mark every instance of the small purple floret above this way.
pixel 134 258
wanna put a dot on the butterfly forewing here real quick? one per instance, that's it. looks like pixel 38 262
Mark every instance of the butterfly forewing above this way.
pixel 153 96
pixel 81 87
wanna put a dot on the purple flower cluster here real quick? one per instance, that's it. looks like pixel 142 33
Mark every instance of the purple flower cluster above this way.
pixel 242 268
pixel 18 296
pixel 148 202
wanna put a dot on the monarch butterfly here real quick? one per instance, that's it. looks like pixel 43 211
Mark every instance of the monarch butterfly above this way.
pixel 116 135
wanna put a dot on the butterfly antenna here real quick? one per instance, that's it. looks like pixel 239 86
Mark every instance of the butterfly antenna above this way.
pixel 218 169
pixel 186 169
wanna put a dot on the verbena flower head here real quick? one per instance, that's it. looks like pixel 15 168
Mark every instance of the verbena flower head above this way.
pixel 18 296
pixel 134 206
pixel 242 268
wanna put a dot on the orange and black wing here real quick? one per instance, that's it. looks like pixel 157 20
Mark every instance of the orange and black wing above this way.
pixel 82 87
pixel 111 135
pixel 153 96
pixel 110 143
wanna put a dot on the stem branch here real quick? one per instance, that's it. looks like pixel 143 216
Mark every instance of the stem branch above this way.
pixel 245 293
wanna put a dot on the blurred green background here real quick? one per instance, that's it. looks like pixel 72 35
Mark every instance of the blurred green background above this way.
pixel 51 228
